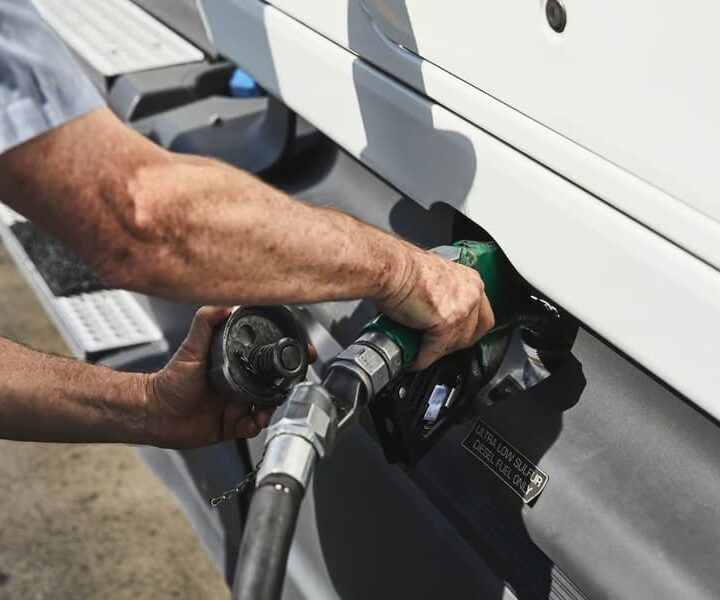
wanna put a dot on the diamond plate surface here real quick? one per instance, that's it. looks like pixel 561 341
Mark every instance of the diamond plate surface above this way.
pixel 116 36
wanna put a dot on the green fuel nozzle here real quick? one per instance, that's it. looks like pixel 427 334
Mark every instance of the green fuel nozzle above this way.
pixel 501 286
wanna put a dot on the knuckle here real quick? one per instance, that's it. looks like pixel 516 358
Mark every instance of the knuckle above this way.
pixel 428 359
pixel 480 283
pixel 490 321
pixel 200 322
pixel 460 315
pixel 203 315
pixel 470 337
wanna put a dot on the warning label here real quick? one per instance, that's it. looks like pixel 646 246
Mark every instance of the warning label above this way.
pixel 507 462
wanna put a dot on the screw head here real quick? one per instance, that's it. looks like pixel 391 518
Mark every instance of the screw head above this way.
pixel 556 15
pixel 402 392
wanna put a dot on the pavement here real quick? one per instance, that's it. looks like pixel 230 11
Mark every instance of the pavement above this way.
pixel 81 521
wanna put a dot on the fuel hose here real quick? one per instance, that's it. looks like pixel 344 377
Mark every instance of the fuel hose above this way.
pixel 302 434
pixel 304 430
pixel 266 541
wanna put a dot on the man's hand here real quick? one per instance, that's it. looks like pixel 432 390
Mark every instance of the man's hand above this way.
pixel 444 299
pixel 183 411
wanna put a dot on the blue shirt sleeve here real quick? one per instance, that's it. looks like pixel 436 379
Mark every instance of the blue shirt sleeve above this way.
pixel 41 84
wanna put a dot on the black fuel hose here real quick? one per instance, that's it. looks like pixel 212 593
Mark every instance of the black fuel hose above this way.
pixel 271 520
pixel 266 540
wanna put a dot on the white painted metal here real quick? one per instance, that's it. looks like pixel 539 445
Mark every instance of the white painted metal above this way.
pixel 635 82
pixel 653 300
pixel 564 153
pixel 116 36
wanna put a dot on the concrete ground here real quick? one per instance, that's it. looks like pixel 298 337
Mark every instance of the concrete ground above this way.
pixel 86 521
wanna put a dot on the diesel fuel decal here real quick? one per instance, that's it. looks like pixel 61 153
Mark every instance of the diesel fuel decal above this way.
pixel 507 462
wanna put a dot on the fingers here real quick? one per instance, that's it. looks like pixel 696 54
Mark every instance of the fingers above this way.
pixel 312 354
pixel 263 416
pixel 242 420
pixel 434 346
pixel 440 342
pixel 239 422
pixel 486 318
pixel 246 427
pixel 197 343
pixel 448 302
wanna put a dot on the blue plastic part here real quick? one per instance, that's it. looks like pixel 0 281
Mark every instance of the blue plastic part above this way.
pixel 244 86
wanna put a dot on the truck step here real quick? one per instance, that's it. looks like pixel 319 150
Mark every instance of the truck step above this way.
pixel 93 324
pixel 63 272
pixel 116 36
pixel 182 16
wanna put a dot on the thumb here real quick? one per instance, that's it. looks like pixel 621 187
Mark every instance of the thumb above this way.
pixel 197 343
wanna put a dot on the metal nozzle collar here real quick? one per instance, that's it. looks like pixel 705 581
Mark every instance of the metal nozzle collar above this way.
pixel 310 414
pixel 376 357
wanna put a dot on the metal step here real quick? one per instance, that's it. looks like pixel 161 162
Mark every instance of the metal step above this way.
pixel 182 16
pixel 92 324
pixel 116 36
pixel 107 320
pixel 8 216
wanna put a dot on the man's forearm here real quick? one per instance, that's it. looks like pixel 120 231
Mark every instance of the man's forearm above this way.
pixel 51 399
pixel 248 242
pixel 191 228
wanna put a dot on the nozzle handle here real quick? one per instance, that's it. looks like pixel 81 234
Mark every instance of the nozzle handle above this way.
pixel 500 280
